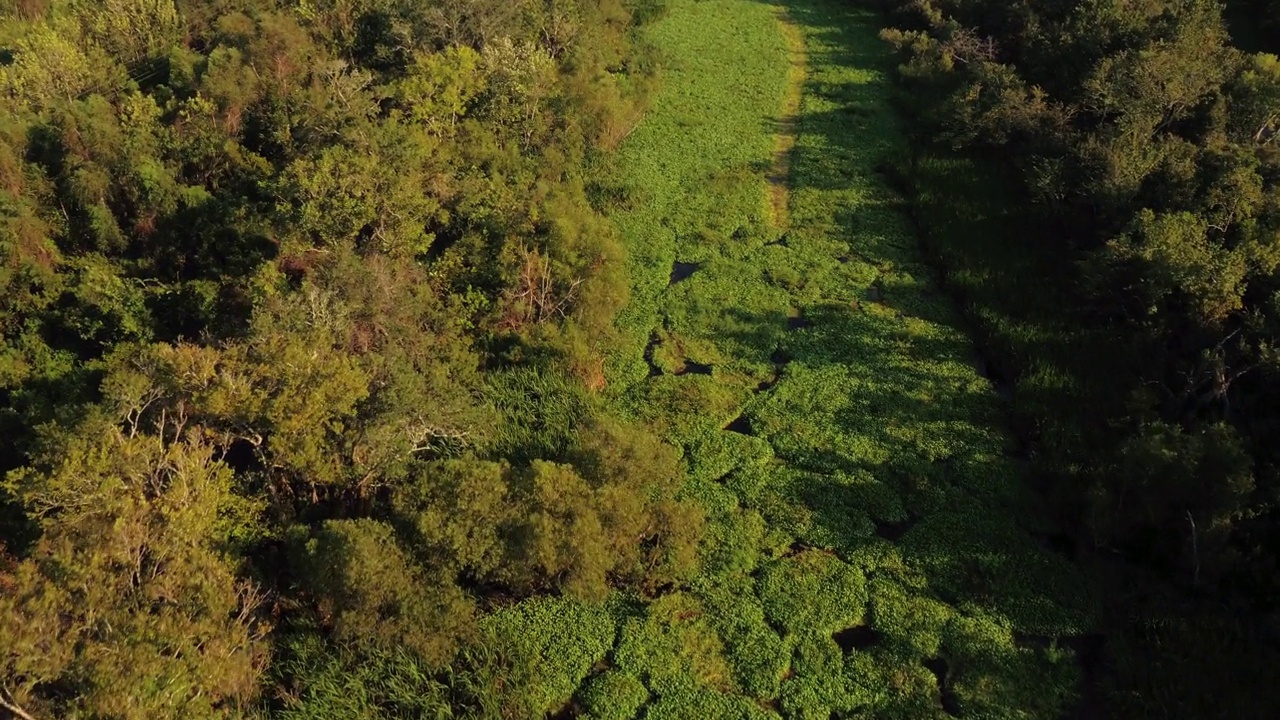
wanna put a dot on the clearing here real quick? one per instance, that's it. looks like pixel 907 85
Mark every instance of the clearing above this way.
pixel 870 550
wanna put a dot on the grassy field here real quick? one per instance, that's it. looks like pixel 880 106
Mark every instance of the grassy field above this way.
pixel 871 549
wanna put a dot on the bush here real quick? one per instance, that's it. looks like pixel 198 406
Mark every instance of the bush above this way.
pixel 812 593
pixel 613 695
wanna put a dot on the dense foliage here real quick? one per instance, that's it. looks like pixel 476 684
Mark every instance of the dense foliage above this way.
pixel 1128 187
pixel 372 358
pixel 303 309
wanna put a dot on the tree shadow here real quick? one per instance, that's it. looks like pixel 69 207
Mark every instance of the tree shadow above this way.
pixel 901 435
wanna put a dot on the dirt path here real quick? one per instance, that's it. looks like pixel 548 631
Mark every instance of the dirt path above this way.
pixel 786 131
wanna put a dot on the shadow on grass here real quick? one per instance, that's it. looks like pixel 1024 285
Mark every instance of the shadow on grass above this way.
pixel 886 447
pixel 883 406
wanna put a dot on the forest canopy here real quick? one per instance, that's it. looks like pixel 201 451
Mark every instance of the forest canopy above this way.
pixel 369 358
pixel 303 310
pixel 1149 144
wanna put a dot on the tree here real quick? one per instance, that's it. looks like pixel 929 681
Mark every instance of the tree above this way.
pixel 372 593
pixel 1255 100
pixel 1191 485
pixel 130 30
pixel 129 605
pixel 1181 262
pixel 48 66
pixel 324 271
pixel 605 517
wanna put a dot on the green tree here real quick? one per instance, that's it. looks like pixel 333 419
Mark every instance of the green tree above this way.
pixel 130 605
pixel 1183 263
pixel 48 66
pixel 129 30
pixel 1192 485
pixel 371 592
pixel 1255 96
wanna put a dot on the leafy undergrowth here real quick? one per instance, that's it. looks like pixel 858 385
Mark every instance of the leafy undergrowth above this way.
pixel 871 551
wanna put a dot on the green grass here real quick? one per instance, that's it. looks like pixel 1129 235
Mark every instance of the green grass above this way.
pixel 694 170
pixel 875 495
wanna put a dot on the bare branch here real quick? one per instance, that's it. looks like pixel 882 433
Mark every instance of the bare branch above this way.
pixel 8 702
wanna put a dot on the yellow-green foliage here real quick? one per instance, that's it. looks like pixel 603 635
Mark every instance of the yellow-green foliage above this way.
pixel 760 657
pixel 672 646
pixel 994 677
pixel 47 65
pixel 348 248
pixel 813 592
pixel 700 703
pixel 691 168
pixel 374 593
pixel 907 621
pixel 371 252
pixel 129 594
pixel 129 29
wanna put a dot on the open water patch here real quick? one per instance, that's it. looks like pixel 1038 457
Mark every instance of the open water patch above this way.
pixel 893 531
pixel 654 370
pixel 1058 542
pixel 682 271
pixel 994 375
pixel 798 322
pixel 941 670
pixel 569 711
pixel 242 456
pixel 693 368
pixel 740 424
pixel 858 637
